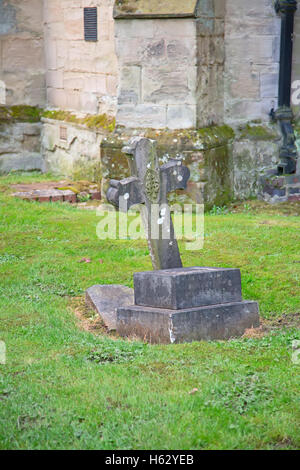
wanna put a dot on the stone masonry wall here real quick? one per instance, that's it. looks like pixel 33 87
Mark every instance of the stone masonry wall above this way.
pixel 22 82
pixel 20 147
pixel 22 69
pixel 158 73
pixel 71 150
pixel 210 26
pixel 81 75
pixel 252 48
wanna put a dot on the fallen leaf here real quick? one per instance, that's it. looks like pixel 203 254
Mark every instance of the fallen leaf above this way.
pixel 101 261
pixel 192 392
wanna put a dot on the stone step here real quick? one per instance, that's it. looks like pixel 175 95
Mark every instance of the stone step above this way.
pixel 214 322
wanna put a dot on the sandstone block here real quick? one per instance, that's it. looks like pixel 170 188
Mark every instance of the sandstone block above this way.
pixel 57 98
pixel 269 85
pixel 181 116
pixel 73 21
pixel 27 54
pixel 130 85
pixel 55 79
pixel 165 85
pixel 142 115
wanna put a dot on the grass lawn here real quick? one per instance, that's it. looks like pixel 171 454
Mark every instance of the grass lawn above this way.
pixel 67 384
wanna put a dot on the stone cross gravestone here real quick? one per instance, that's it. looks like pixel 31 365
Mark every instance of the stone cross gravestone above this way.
pixel 149 185
pixel 172 304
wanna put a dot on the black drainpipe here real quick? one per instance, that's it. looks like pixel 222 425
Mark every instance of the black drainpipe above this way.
pixel 284 115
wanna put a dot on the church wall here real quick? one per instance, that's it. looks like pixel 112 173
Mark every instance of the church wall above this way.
pixel 81 75
pixel 22 69
pixel 252 48
pixel 158 73
pixel 22 84
pixel 210 25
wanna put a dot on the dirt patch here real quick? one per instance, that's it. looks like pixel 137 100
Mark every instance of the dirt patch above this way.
pixel 284 443
pixel 291 208
pixel 88 319
pixel 255 332
pixel 291 320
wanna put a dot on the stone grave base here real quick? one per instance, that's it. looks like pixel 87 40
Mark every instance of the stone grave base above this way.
pixel 214 322
pixel 188 304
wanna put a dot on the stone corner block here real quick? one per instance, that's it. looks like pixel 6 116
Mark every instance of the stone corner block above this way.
pixel 187 287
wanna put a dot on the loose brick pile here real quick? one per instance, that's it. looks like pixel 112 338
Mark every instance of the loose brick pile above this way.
pixel 49 192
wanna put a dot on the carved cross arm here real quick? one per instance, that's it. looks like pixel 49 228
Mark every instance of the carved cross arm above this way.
pixel 174 176
pixel 125 193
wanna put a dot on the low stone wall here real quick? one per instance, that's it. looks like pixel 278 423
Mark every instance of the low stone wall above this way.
pixel 225 163
pixel 71 149
pixel 254 151
pixel 20 147
pixel 204 151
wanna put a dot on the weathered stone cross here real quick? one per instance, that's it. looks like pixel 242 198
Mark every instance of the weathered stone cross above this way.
pixel 149 185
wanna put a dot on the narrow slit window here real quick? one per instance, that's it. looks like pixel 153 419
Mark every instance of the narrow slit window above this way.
pixel 90 24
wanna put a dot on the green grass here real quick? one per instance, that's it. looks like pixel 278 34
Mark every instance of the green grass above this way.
pixel 66 388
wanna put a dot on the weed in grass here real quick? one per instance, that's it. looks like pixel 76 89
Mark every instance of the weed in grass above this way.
pixel 10 258
pixel 216 210
pixel 117 351
pixel 241 393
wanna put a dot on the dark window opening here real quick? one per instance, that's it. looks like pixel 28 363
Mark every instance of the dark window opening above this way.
pixel 90 24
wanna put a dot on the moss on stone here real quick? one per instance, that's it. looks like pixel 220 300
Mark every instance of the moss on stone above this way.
pixel 257 132
pixel 20 113
pixel 214 136
pixel 79 186
pixel 101 121
pixel 205 151
pixel 171 141
pixel 60 115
